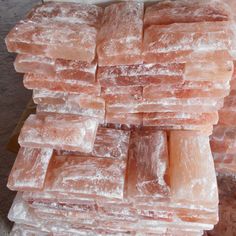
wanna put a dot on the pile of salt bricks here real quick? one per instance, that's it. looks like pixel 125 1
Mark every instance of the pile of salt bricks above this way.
pixel 127 96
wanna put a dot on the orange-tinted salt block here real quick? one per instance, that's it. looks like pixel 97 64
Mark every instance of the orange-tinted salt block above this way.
pixel 120 37
pixel 63 132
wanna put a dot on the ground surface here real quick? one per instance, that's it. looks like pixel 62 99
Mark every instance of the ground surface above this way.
pixel 13 98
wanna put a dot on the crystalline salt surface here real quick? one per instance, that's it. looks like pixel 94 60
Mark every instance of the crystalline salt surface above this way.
pixel 63 132
pixel 70 13
pixel 37 81
pixel 54 40
pixel 168 12
pixel 192 174
pixel 30 168
pixel 176 42
pixel 62 69
pixel 90 176
pixel 120 36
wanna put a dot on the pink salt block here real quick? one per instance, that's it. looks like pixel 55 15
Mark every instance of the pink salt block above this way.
pixel 150 93
pixel 109 143
pixel 165 105
pixel 166 118
pixel 148 163
pixel 120 37
pixel 176 42
pixel 63 132
pixel 54 40
pixel 70 13
pixel 30 168
pixel 227 117
pixel 77 104
pixel 163 13
pixel 217 71
pixel 21 229
pixel 88 176
pixel 122 93
pixel 192 174
pixel 140 75
pixel 62 69
pixel 124 118
pixel 42 82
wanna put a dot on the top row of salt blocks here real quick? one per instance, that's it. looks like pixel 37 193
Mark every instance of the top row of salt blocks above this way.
pixel 73 31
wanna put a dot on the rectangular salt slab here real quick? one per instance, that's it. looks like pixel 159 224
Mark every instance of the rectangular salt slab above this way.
pixel 120 37
pixel 86 176
pixel 192 173
pixel 148 163
pixel 77 104
pixel 176 42
pixel 54 40
pixel 167 12
pixel 42 82
pixel 63 132
pixel 70 13
pixel 140 75
pixel 109 143
pixel 167 118
pixel 30 168
pixel 62 69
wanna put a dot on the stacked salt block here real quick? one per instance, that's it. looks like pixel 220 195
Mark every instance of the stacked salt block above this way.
pixel 81 168
pixel 176 75
pixel 172 71
pixel 139 184
pixel 223 142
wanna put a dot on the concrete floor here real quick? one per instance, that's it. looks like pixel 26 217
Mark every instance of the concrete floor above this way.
pixel 13 98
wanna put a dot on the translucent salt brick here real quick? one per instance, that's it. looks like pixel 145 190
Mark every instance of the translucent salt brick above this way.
pixel 148 162
pixel 42 82
pixel 140 75
pixel 54 40
pixel 70 13
pixel 30 168
pixel 163 13
pixel 192 174
pixel 120 36
pixel 86 176
pixel 62 69
pixel 77 104
pixel 176 42
pixel 166 118
pixel 59 132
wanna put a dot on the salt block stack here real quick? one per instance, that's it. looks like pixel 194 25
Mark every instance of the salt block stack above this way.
pixel 126 98
pixel 223 142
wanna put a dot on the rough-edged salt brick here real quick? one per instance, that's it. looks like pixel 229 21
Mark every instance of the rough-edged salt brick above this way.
pixel 216 71
pixel 192 174
pixel 86 176
pixel 123 94
pixel 176 42
pixel 148 162
pixel 54 40
pixel 165 105
pixel 140 75
pixel 73 104
pixel 124 118
pixel 150 93
pixel 109 143
pixel 24 230
pixel 156 119
pixel 185 12
pixel 30 168
pixel 71 13
pixel 63 132
pixel 42 82
pixel 227 117
pixel 63 69
pixel 120 37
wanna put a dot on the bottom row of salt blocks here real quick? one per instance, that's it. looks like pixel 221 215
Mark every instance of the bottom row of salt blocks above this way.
pixel 134 182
